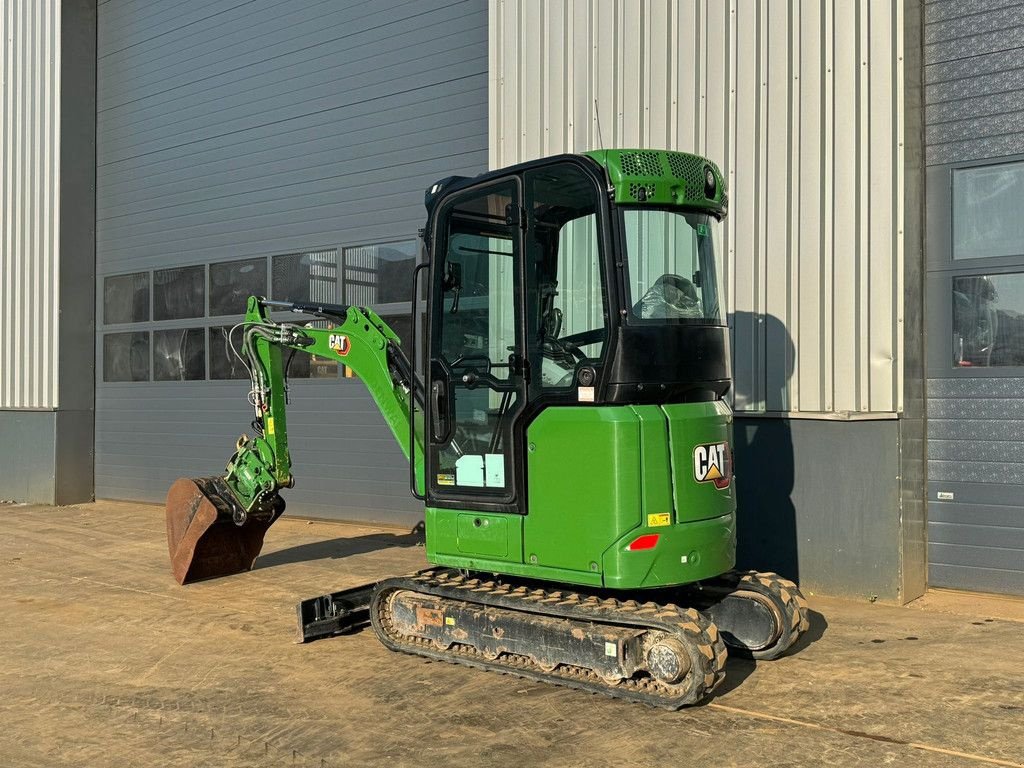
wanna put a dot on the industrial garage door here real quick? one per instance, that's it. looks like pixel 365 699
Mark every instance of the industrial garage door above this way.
pixel 974 157
pixel 268 147
pixel 976 377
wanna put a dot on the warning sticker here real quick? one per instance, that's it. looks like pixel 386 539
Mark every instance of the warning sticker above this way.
pixel 659 518
pixel 445 479
pixel 270 425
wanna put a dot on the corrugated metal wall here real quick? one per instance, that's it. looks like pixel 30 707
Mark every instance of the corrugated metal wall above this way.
pixel 29 200
pixel 237 129
pixel 800 104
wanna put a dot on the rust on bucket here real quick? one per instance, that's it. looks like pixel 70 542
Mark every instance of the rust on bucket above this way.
pixel 202 538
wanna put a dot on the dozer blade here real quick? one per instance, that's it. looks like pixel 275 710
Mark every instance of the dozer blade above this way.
pixel 203 540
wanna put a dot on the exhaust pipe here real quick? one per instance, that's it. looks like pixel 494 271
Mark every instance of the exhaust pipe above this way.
pixel 203 538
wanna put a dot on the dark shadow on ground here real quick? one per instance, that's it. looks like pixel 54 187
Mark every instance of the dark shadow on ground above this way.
pixel 343 546
pixel 736 671
pixel 813 634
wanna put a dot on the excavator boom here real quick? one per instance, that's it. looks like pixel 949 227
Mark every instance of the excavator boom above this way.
pixel 216 525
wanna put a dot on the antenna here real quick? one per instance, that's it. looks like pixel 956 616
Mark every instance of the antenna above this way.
pixel 597 114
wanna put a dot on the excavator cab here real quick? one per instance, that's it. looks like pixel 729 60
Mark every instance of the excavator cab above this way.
pixel 577 355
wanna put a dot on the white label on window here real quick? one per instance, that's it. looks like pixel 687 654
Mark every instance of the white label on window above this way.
pixel 469 471
pixel 494 470
pixel 585 394
pixel 945 495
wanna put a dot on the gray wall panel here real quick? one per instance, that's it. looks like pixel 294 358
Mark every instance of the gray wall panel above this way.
pixel 27 440
pixel 973 534
pixel 948 9
pixel 841 536
pixel 231 129
pixel 985 515
pixel 978 579
pixel 974 78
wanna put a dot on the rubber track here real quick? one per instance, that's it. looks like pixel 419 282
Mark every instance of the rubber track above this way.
pixel 790 601
pixel 688 625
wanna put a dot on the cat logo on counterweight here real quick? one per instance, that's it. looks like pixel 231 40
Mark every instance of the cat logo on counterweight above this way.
pixel 712 464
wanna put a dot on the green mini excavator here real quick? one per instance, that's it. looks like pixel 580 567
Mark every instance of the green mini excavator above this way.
pixel 566 427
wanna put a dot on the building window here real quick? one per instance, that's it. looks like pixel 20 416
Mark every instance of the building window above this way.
pixel 182 293
pixel 376 276
pixel 126 356
pixel 379 274
pixel 309 276
pixel 987 205
pixel 224 363
pixel 233 282
pixel 306 277
pixel 126 298
pixel 179 354
pixel 179 293
pixel 988 320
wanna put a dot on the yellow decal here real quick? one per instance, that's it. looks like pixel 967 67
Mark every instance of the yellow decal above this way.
pixel 661 518
pixel 449 620
pixel 270 425
pixel 443 479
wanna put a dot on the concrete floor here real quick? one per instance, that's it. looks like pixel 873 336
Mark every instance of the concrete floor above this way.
pixel 105 661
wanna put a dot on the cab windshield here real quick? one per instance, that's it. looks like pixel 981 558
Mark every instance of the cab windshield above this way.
pixel 672 265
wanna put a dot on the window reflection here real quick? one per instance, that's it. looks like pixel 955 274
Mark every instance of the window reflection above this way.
pixel 987 205
pixel 988 320
pixel 179 354
pixel 126 298
pixel 306 277
pixel 126 356
pixel 179 293
pixel 233 282
pixel 224 363
pixel 379 274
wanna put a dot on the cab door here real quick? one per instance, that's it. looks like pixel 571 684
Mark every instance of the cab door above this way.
pixel 476 372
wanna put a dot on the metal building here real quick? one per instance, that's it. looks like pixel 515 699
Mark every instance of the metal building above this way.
pixel 875 253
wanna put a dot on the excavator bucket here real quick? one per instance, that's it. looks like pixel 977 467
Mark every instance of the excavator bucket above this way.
pixel 203 540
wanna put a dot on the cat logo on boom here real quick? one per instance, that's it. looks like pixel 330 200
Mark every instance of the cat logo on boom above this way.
pixel 711 464
pixel 339 343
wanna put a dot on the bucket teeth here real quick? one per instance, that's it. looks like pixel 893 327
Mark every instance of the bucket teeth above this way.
pixel 202 539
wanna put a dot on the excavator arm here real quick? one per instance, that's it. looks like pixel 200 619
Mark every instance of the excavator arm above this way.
pixel 215 526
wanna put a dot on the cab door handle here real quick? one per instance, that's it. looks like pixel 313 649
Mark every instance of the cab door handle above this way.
pixel 440 423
